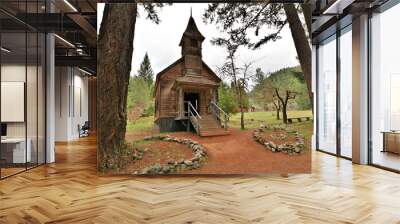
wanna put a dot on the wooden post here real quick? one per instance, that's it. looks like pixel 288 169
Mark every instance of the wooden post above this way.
pixel 181 112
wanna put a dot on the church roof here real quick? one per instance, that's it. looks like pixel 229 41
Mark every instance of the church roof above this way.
pixel 192 31
pixel 180 60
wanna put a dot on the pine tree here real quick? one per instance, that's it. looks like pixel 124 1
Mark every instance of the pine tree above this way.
pixel 145 71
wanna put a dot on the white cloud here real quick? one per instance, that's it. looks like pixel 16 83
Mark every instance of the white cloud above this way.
pixel 162 41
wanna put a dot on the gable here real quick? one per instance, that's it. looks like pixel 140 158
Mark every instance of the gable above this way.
pixel 175 69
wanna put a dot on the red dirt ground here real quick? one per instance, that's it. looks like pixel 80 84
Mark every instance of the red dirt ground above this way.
pixel 239 153
pixel 159 152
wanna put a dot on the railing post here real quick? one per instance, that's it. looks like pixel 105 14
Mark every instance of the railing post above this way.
pixel 188 121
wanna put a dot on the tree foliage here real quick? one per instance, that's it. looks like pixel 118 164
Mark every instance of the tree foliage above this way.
pixel 241 19
pixel 145 71
pixel 227 99
pixel 255 24
pixel 140 99
pixel 282 89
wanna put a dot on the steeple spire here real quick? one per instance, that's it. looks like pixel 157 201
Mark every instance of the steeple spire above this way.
pixel 190 11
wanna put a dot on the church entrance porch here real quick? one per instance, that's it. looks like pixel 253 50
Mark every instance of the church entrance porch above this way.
pixel 192 98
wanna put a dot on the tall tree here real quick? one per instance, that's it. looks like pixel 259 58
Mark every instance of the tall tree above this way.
pixel 238 75
pixel 115 48
pixel 243 19
pixel 145 71
pixel 259 76
pixel 114 56
pixel 300 40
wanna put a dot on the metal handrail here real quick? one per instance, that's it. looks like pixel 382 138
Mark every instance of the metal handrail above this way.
pixel 219 108
pixel 216 111
pixel 196 117
pixel 191 106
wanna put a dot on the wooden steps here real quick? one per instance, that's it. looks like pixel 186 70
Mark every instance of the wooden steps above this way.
pixel 209 126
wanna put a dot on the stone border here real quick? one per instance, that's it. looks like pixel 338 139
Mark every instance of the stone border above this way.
pixel 288 148
pixel 195 162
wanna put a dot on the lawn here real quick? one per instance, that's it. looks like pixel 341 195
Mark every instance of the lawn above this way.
pixel 141 124
pixel 252 120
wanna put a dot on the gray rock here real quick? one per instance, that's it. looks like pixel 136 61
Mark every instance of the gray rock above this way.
pixel 148 138
pixel 188 163
pixel 196 165
pixel 272 145
pixel 297 149
pixel 166 169
pixel 145 171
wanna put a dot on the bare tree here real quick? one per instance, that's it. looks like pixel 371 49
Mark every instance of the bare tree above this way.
pixel 283 87
pixel 240 75
pixel 278 106
pixel 242 19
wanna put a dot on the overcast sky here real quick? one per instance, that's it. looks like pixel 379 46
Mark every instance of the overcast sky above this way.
pixel 162 41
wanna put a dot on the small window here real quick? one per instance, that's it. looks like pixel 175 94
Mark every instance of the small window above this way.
pixel 193 42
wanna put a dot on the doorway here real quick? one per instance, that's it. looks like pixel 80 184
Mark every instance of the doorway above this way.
pixel 194 99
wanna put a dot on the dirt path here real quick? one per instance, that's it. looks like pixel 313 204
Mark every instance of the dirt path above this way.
pixel 238 153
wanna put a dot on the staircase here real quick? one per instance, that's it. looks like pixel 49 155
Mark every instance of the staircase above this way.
pixel 208 125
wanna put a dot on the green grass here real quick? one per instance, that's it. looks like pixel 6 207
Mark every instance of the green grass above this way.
pixel 141 124
pixel 254 119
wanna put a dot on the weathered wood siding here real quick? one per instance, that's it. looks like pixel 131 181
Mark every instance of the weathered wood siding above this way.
pixel 167 98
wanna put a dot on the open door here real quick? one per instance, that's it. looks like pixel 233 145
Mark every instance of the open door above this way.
pixel 194 99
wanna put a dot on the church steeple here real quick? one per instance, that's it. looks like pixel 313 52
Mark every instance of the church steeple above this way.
pixel 191 43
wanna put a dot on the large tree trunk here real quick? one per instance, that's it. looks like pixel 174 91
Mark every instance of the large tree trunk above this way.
pixel 115 47
pixel 306 8
pixel 301 43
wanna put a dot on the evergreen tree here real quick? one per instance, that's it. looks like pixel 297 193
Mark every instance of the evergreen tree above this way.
pixel 145 71
pixel 259 76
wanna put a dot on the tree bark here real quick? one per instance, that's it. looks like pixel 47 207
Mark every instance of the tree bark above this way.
pixel 301 43
pixel 306 8
pixel 278 109
pixel 278 116
pixel 284 113
pixel 115 48
pixel 241 108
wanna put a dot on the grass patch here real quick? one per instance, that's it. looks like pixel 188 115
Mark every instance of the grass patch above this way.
pixel 141 124
pixel 254 119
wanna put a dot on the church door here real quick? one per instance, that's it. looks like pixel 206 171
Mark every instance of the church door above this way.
pixel 194 99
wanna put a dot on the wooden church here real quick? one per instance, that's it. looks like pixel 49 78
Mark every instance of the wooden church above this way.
pixel 186 92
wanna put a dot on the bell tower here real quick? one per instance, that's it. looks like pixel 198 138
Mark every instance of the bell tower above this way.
pixel 191 43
